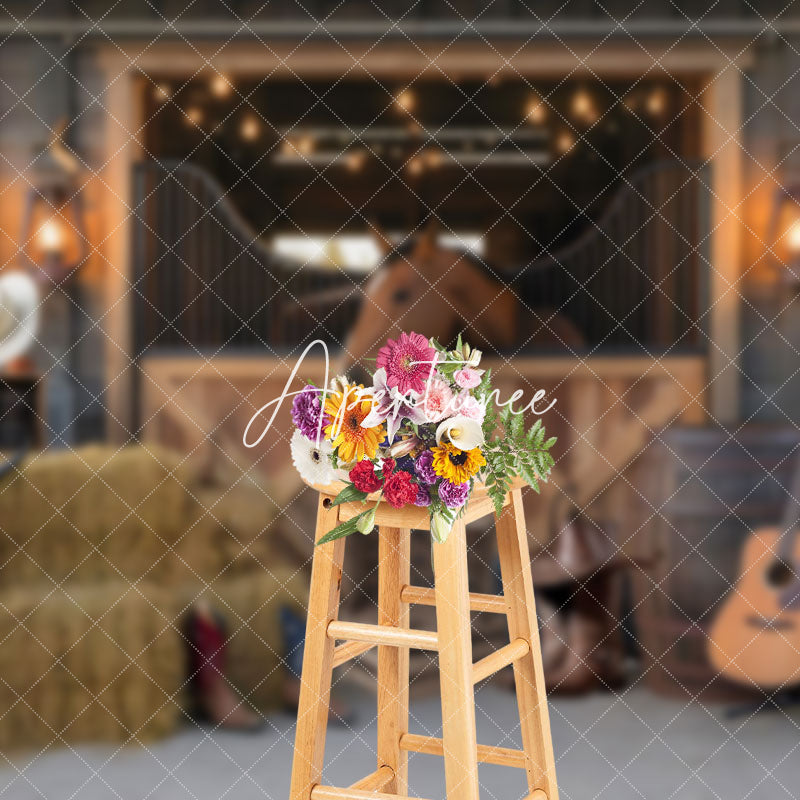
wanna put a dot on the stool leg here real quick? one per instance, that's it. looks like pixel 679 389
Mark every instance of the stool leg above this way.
pixel 455 666
pixel 315 688
pixel 394 572
pixel 515 566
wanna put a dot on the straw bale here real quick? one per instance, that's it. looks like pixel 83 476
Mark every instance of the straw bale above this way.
pixel 99 663
pixel 93 514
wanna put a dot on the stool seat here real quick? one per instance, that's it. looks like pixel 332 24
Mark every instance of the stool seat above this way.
pixel 479 505
pixel 451 641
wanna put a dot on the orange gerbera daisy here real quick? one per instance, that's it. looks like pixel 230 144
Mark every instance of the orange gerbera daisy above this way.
pixel 347 410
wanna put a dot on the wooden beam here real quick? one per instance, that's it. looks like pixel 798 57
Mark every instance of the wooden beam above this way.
pixel 722 143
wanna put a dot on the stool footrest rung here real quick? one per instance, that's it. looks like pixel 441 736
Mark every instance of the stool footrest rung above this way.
pixel 348 650
pixel 501 657
pixel 376 781
pixel 383 634
pixel 487 754
pixel 332 793
pixel 424 596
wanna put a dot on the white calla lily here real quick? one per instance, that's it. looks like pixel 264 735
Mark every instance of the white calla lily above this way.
pixel 462 432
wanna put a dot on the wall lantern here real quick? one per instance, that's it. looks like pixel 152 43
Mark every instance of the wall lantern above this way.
pixel 784 233
pixel 52 235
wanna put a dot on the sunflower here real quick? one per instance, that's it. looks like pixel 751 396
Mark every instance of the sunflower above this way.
pixel 347 409
pixel 456 466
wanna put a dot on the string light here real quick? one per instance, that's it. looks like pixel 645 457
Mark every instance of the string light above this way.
pixel 305 145
pixel 536 110
pixel 656 102
pixel 355 160
pixel 565 141
pixel 194 116
pixel 220 86
pixel 583 107
pixel 162 92
pixel 250 128
pixel 406 100
pixel 434 158
pixel 415 166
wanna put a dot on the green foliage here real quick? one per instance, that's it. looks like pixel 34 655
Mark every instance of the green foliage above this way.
pixel 344 528
pixel 512 451
pixel 348 495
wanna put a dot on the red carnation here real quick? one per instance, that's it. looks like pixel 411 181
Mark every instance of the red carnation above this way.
pixel 399 490
pixel 364 478
pixel 388 466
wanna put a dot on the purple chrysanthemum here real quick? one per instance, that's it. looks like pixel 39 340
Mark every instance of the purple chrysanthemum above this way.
pixel 423 497
pixel 453 495
pixel 306 412
pixel 423 466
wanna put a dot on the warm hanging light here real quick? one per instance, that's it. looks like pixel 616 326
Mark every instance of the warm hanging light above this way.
pixel 52 233
pixel 50 238
pixel 583 107
pixel 220 86
pixel 536 110
pixel 792 237
pixel 784 232
pixel 250 128
pixel 406 100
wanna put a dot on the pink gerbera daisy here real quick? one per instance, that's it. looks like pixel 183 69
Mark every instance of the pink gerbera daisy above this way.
pixel 408 362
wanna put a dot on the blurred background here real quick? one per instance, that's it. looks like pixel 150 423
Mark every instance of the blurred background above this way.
pixel 602 196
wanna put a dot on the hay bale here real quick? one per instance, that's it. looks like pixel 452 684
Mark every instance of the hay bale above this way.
pixel 250 606
pixel 228 535
pixel 96 663
pixel 93 514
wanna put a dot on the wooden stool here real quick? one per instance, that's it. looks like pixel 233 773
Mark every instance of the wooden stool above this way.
pixel 453 641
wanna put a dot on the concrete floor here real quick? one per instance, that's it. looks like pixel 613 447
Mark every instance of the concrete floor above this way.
pixel 635 745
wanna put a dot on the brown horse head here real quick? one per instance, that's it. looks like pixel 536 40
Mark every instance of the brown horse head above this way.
pixel 434 290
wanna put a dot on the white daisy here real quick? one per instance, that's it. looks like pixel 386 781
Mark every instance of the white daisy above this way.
pixel 312 462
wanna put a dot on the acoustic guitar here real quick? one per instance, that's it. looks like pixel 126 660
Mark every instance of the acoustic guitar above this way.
pixel 755 638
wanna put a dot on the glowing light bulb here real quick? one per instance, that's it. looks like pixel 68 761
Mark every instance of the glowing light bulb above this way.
pixel 415 166
pixel 565 141
pixel 793 238
pixel 250 128
pixel 406 100
pixel 50 237
pixel 194 116
pixel 656 102
pixel 305 145
pixel 536 111
pixel 355 160
pixel 583 106
pixel 220 86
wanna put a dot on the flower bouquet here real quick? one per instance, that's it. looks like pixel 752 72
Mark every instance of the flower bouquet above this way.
pixel 423 434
